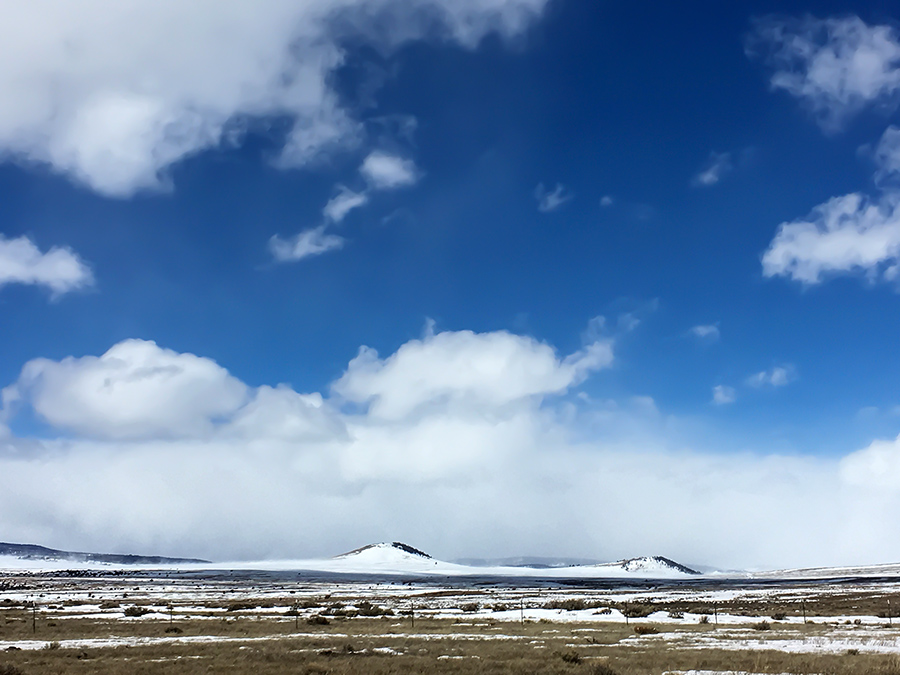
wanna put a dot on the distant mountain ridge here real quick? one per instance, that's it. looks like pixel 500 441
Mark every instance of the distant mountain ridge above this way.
pixel 35 552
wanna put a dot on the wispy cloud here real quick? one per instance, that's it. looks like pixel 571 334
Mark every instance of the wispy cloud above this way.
pixel 606 201
pixel 343 203
pixel 305 244
pixel 835 66
pixel 381 171
pixel 723 395
pixel 707 332
pixel 384 171
pixel 551 200
pixel 716 167
pixel 779 376
pixel 60 270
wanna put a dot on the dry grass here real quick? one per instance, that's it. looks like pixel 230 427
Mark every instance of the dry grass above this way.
pixel 358 647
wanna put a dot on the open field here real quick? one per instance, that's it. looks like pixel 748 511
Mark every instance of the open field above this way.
pixel 293 623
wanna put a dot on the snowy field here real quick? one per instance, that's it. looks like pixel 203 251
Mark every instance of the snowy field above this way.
pixel 636 623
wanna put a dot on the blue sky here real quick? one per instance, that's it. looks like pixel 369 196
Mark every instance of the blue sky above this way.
pixel 564 175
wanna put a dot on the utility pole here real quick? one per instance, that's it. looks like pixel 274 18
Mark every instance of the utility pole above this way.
pixel 803 606
pixel 890 614
pixel 716 613
pixel 522 610
pixel 33 616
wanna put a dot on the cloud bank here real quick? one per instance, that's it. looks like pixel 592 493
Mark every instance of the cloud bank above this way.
pixel 462 443
pixel 112 94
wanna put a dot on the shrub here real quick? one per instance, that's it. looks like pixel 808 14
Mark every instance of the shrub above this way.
pixel 762 625
pixel 134 610
pixel 499 607
pixel 317 620
pixel 9 669
pixel 603 669
pixel 571 657
pixel 240 606
pixel 852 652
pixel 570 605
pixel 638 611
pixel 470 607
pixel 704 619
pixel 366 608
pixel 174 629
pixel 645 630
pixel 676 615
pixel 779 616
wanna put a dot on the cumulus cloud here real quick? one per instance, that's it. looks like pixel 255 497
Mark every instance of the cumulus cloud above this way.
pixel 723 395
pixel 465 368
pixel 706 332
pixel 384 171
pixel 779 376
pixel 134 390
pixel 835 66
pixel 551 200
pixel 305 244
pixel 446 442
pixel 60 269
pixel 845 235
pixel 716 167
pixel 90 94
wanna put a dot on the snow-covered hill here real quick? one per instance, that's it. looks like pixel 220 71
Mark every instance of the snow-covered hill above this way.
pixel 650 565
pixel 386 558
pixel 399 558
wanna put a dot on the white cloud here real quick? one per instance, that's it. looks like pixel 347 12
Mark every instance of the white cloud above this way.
pixel 456 437
pixel 90 93
pixel 134 390
pixel 723 395
pixel 779 376
pixel 848 234
pixel 384 171
pixel 551 200
pixel 343 203
pixel 708 332
pixel 305 244
pixel 887 154
pixel 465 369
pixel 877 466
pixel 607 201
pixel 836 66
pixel 59 269
pixel 717 166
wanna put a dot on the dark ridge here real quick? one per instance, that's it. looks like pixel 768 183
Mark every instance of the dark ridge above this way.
pixel 409 549
pixel 399 545
pixel 35 552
